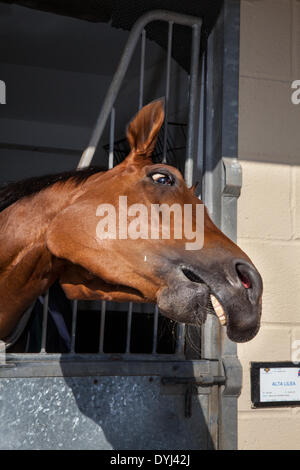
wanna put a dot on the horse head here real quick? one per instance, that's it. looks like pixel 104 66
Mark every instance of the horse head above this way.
pixel 184 279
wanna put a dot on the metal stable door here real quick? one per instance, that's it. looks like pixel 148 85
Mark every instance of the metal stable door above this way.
pixel 146 401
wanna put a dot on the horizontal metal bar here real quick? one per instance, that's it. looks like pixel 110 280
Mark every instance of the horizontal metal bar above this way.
pixel 60 365
pixel 24 358
pixel 155 15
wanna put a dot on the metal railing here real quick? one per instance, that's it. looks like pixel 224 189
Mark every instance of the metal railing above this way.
pixel 137 32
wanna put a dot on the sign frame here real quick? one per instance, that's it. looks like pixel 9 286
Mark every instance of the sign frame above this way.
pixel 255 384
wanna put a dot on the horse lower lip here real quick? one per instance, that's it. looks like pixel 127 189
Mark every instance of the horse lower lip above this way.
pixel 219 311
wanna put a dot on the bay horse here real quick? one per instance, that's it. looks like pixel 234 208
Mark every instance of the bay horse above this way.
pixel 48 233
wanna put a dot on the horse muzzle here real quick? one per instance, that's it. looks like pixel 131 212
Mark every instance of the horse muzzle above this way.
pixel 233 294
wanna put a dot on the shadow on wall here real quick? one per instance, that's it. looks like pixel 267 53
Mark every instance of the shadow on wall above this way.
pixel 134 412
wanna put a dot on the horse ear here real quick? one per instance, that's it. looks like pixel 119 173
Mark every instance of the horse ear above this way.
pixel 194 187
pixel 143 130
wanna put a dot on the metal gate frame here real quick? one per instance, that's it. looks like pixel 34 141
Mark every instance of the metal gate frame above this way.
pixel 222 185
pixel 218 167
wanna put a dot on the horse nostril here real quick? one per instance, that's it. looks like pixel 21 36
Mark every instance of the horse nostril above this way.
pixel 244 275
pixel 192 276
pixel 248 279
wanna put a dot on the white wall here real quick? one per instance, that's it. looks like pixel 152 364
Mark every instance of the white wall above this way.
pixel 269 206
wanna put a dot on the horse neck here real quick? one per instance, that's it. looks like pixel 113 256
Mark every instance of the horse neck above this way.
pixel 25 222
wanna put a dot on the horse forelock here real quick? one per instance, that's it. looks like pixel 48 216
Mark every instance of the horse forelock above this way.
pixel 13 192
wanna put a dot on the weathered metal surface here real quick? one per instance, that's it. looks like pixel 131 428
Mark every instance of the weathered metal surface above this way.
pixel 99 413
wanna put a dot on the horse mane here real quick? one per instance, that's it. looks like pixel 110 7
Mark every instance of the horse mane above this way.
pixel 13 192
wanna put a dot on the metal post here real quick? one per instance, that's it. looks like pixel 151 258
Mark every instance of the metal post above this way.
pixel 232 181
pixel 212 178
pixel 220 181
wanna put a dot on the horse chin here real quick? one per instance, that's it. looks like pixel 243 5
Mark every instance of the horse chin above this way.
pixel 243 332
pixel 242 337
pixel 187 303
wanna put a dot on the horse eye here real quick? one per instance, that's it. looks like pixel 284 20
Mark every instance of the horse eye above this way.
pixel 160 178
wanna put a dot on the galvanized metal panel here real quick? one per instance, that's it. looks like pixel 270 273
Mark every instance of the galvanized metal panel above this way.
pixel 99 413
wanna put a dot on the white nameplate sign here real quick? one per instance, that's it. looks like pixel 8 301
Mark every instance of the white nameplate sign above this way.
pixel 280 384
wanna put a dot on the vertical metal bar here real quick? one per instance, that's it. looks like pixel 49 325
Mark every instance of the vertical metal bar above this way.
pixel 191 140
pixel 232 367
pixel 193 106
pixel 167 89
pixel 110 165
pixel 141 97
pixel 44 324
pixel 74 321
pixel 129 320
pixel 199 170
pixel 180 341
pixel 102 326
pixel 155 325
pixel 212 177
pixel 115 85
pixel 142 69
pixel 111 138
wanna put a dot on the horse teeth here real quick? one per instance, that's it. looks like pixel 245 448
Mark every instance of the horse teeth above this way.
pixel 218 310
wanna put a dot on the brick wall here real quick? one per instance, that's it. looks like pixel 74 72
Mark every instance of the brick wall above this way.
pixel 269 206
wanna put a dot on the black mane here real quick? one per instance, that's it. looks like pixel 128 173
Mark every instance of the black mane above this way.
pixel 13 192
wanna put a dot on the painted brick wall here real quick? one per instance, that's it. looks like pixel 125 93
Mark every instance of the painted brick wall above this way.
pixel 269 206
